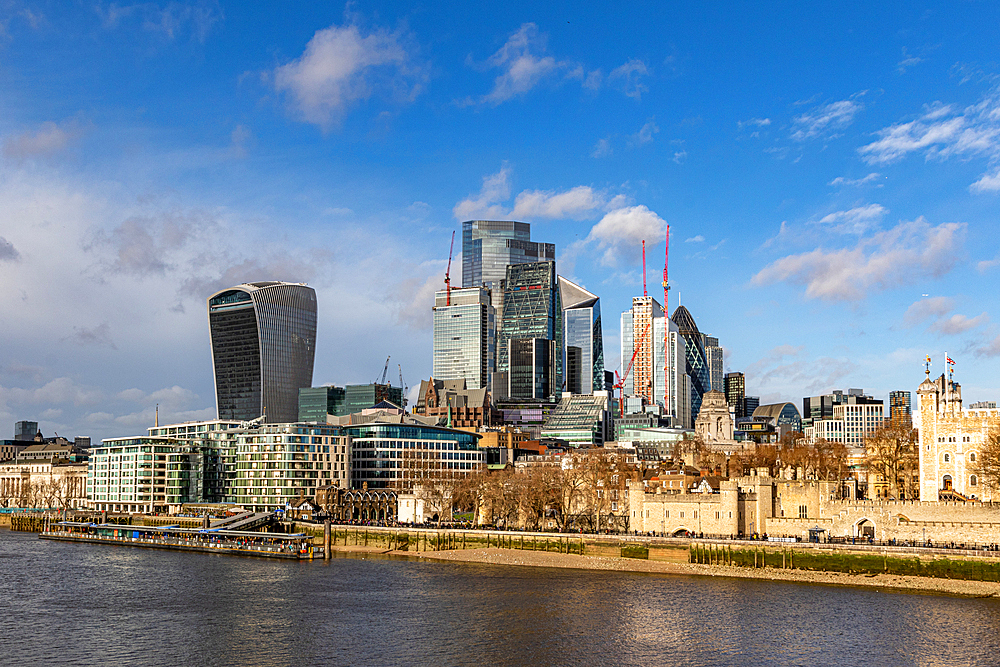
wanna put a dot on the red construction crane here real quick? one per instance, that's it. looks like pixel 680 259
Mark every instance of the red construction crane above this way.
pixel 620 385
pixel 644 267
pixel 447 274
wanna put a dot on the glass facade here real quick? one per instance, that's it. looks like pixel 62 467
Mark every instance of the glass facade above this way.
pixel 531 309
pixel 464 336
pixel 714 357
pixel 263 347
pixel 315 403
pixel 358 397
pixel 532 368
pixel 582 321
pixel 697 362
pixel 490 246
pixel 399 455
pixel 735 391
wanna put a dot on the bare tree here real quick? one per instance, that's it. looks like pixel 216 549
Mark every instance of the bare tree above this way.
pixel 891 455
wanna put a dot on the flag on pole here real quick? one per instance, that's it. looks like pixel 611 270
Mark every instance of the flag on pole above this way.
pixel 950 360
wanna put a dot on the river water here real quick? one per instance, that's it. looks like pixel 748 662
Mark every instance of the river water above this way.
pixel 79 604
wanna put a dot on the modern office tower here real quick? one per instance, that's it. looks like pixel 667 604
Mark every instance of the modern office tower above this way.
pixel 697 363
pixel 657 373
pixel 735 392
pixel 750 403
pixel 82 441
pixel 490 246
pixel 584 350
pixel 25 430
pixel 532 368
pixel 464 336
pixel 263 347
pixel 713 354
pixel 531 309
pixel 315 403
pixel 899 407
pixel 358 397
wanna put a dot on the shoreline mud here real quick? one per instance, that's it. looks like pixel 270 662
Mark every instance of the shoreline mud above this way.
pixel 884 582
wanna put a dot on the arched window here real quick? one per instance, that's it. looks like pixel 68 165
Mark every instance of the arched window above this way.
pixel 947 458
pixel 973 481
pixel 972 457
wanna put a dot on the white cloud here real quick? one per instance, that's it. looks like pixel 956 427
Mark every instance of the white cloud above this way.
pixel 627 78
pixel 523 65
pixel 989 349
pixel 695 239
pixel 487 204
pixel 856 220
pixel 933 307
pixel 240 139
pixel 342 65
pixel 988 183
pixel 898 256
pixel 8 253
pixel 602 148
pixel 786 371
pixel 49 139
pixel 753 122
pixel 958 324
pixel 99 336
pixel 620 233
pixel 824 119
pixel 982 267
pixel 842 180
pixel 644 135
pixel 575 203
pixel 907 62
pixel 680 157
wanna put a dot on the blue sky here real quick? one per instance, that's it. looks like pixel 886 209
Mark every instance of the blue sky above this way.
pixel 830 176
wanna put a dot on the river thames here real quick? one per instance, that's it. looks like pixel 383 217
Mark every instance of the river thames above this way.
pixel 77 604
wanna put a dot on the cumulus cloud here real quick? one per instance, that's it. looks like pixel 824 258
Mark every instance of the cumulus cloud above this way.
pixel 620 233
pixel 824 119
pixel 958 324
pixel 523 65
pixel 842 180
pixel 628 78
pixel 342 65
pixel 695 239
pixel 577 203
pixel 908 251
pixel 8 253
pixel 857 220
pixel 933 307
pixel 987 264
pixel 988 183
pixel 50 138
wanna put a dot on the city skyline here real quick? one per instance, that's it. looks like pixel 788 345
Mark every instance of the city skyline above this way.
pixel 829 176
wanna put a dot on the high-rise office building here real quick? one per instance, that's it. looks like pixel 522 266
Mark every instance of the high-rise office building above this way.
pixel 25 430
pixel 899 407
pixel 531 309
pixel 713 354
pixel 658 369
pixel 358 397
pixel 532 368
pixel 735 390
pixel 697 362
pixel 583 356
pixel 490 246
pixel 315 403
pixel 750 403
pixel 464 336
pixel 263 347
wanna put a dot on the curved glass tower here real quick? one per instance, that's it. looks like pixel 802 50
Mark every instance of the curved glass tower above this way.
pixel 697 361
pixel 263 347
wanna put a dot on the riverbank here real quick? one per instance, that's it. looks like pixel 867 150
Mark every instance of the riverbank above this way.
pixel 887 582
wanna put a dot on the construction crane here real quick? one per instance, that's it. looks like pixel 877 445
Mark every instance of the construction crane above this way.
pixel 447 273
pixel 644 268
pixel 620 385
pixel 401 383
pixel 385 371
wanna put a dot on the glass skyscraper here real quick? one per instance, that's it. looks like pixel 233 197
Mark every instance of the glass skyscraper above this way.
pixel 531 309
pixel 583 354
pixel 464 336
pixel 490 246
pixel 697 360
pixel 263 346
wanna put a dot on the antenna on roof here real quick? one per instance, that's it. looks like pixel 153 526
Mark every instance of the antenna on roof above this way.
pixel 644 267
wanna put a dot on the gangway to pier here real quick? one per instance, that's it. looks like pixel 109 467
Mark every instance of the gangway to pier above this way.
pixel 230 520
pixel 249 521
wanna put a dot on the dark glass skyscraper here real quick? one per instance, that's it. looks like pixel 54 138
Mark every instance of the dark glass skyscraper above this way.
pixel 584 351
pixel 531 309
pixel 263 346
pixel 490 246
pixel 697 360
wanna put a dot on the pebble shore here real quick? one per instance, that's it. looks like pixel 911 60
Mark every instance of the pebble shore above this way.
pixel 898 583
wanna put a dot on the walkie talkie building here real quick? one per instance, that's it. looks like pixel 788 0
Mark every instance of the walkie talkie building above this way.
pixel 263 348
